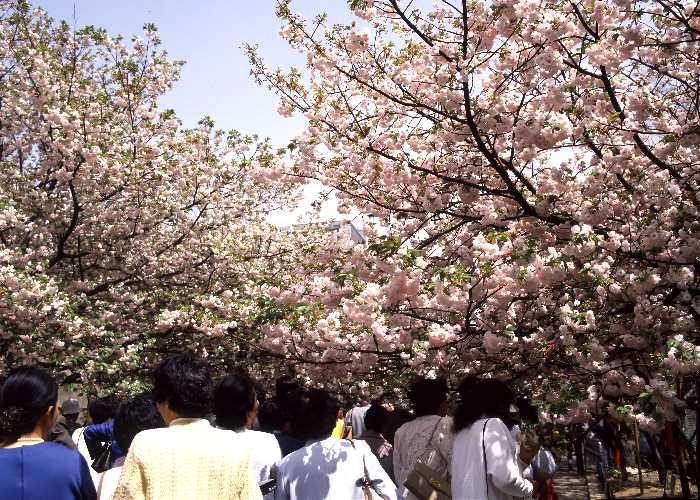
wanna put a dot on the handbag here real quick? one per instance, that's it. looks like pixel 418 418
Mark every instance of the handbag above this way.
pixel 104 459
pixel 365 482
pixel 426 483
pixel 268 486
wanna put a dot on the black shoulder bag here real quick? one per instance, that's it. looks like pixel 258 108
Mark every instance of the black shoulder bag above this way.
pixel 104 458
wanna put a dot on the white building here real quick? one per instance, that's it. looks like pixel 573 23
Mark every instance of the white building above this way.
pixel 344 228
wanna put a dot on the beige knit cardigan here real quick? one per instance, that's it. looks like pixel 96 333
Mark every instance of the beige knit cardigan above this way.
pixel 188 460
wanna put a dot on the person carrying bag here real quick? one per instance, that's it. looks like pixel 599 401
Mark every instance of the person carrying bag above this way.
pixel 426 481
pixel 365 482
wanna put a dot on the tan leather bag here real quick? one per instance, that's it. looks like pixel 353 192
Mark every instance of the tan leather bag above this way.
pixel 426 483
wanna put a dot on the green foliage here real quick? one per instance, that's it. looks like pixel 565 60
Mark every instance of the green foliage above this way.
pixel 384 246
pixel 624 409
pixel 454 273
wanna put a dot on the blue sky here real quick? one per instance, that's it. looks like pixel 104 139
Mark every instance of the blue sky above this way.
pixel 208 35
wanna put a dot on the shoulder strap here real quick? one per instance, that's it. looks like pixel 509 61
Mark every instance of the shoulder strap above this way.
pixel 483 449
pixel 437 448
pixel 432 435
pixel 367 486
pixel 99 486
pixel 80 435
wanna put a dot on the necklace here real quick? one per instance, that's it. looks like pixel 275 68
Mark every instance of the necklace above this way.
pixel 30 439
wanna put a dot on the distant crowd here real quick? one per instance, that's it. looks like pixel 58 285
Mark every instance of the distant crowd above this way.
pixel 195 438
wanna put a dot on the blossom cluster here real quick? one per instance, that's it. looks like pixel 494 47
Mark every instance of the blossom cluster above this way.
pixel 534 170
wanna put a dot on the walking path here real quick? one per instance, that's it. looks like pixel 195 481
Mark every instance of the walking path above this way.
pixel 569 485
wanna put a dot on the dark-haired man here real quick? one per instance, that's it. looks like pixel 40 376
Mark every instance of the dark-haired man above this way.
pixel 329 468
pixel 189 458
pixel 235 408
pixel 355 418
pixel 275 419
pixel 376 421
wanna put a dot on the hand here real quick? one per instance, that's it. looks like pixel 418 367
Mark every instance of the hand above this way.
pixel 529 446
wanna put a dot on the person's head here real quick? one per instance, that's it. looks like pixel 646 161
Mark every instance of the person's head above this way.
pixel 481 398
pixel 103 409
pixel 428 396
pixel 235 401
pixel 271 415
pixel 377 418
pixel 133 416
pixel 70 409
pixel 27 404
pixel 526 411
pixel 287 388
pixel 260 392
pixel 397 418
pixel 182 387
pixel 385 399
pixel 316 415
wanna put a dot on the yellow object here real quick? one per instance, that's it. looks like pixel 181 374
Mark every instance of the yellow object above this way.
pixel 189 459
pixel 338 429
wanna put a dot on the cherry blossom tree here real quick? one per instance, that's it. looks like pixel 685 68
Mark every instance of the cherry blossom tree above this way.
pixel 112 213
pixel 534 168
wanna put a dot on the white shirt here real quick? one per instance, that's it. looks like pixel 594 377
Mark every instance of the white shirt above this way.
pixel 79 440
pixel 543 465
pixel 505 471
pixel 411 443
pixel 265 453
pixel 109 480
pixel 356 418
pixel 330 469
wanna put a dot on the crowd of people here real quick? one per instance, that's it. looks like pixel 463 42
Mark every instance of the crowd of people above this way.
pixel 195 438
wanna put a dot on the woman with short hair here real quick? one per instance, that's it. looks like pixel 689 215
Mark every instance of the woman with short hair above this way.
pixel 31 468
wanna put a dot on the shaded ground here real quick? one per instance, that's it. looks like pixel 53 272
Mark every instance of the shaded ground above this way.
pixel 570 486
pixel 652 488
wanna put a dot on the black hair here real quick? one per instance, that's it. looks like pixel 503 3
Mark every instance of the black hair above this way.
pixel 397 418
pixel 25 397
pixel 481 398
pixel 133 416
pixel 317 416
pixel 376 418
pixel 381 397
pixel 288 393
pixel 260 392
pixel 234 399
pixel 427 395
pixel 287 389
pixel 526 410
pixel 271 415
pixel 183 380
pixel 102 409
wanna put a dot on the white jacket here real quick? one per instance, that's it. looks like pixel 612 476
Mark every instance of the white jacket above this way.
pixel 503 468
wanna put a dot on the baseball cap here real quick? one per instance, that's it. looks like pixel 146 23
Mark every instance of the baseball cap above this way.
pixel 70 407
